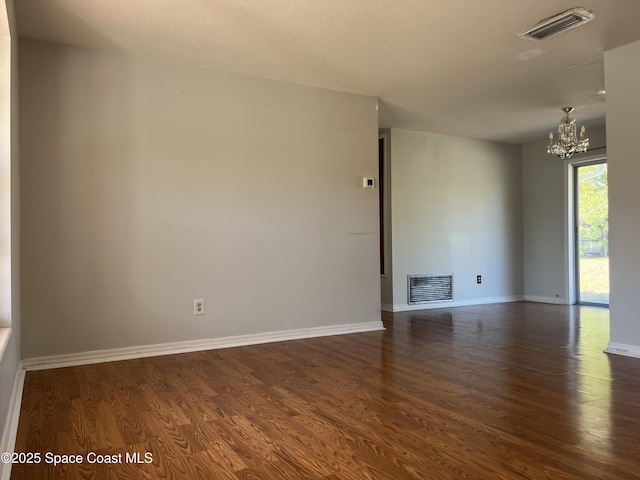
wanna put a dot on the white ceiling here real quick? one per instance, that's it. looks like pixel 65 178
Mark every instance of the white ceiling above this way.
pixel 443 66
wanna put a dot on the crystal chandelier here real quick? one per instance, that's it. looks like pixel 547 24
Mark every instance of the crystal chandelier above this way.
pixel 568 142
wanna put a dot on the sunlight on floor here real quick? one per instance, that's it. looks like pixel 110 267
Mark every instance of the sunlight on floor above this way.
pixel 593 379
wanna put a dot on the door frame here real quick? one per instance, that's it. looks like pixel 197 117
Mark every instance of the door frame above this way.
pixel 570 251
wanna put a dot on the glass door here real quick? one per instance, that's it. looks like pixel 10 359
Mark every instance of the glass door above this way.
pixel 592 234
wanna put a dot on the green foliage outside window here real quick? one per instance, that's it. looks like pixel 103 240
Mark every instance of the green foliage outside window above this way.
pixel 594 211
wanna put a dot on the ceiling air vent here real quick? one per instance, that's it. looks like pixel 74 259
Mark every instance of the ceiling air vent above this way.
pixel 558 23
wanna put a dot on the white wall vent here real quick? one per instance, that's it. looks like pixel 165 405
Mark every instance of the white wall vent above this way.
pixel 429 288
pixel 558 23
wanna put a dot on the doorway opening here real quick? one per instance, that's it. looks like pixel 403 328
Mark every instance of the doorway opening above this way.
pixel 591 221
pixel 381 202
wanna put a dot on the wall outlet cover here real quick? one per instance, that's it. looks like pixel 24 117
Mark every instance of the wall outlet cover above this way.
pixel 198 306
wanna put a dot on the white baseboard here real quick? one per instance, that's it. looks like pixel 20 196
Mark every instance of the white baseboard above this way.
pixel 10 431
pixel 622 349
pixel 555 300
pixel 462 303
pixel 127 353
pixel 385 307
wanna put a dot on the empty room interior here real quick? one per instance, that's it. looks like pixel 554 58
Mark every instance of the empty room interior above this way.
pixel 319 240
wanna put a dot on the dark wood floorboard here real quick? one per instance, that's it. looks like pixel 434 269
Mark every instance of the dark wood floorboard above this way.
pixel 508 391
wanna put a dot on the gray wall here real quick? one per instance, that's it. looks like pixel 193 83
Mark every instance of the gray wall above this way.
pixel 456 208
pixel 545 194
pixel 146 185
pixel 622 77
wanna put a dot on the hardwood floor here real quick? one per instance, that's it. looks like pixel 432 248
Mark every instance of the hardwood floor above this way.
pixel 506 391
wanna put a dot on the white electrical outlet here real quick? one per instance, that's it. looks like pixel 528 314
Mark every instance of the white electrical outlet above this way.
pixel 198 306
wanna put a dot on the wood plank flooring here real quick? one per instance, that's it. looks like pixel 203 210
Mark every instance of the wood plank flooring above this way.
pixel 508 391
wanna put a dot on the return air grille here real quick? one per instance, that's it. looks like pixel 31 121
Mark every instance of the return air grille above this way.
pixel 558 23
pixel 430 288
